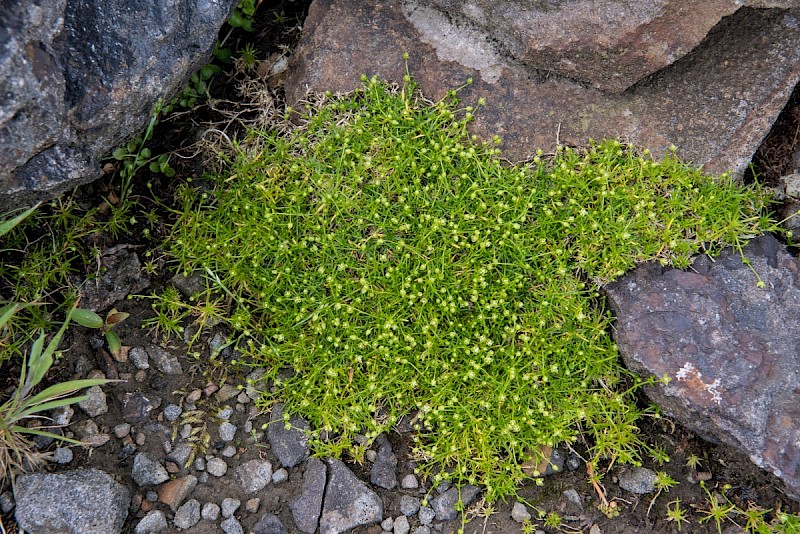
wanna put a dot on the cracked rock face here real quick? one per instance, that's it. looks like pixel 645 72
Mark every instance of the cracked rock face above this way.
pixel 80 77
pixel 730 350
pixel 700 97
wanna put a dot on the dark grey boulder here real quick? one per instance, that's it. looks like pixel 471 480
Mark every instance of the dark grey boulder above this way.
pixel 349 503
pixel 730 350
pixel 290 445
pixel 307 506
pixel 384 470
pixel 79 77
pixel 86 501
pixel 269 524
pixel 705 103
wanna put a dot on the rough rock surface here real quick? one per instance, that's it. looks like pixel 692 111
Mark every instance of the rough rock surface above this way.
pixel 307 506
pixel 349 503
pixel 79 77
pixel 730 349
pixel 86 501
pixel 706 103
pixel 289 445
pixel 610 44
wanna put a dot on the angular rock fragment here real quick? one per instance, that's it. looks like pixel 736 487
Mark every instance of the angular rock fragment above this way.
pixel 349 503
pixel 730 349
pixel 290 445
pixel 307 506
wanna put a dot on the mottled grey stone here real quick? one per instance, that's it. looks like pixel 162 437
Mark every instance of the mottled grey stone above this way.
pixel 401 525
pixel 231 526
pixel 229 506
pixel 147 471
pixel 154 521
pixel 519 513
pixel 444 504
pixel 63 455
pixel 349 503
pixel 139 358
pixel 85 501
pixel 253 475
pixel 137 407
pixel 210 511
pixel 164 361
pixel 227 431
pixel 409 505
pixel 637 480
pixel 290 445
pixel 384 469
pixel 307 506
pixel 216 467
pixel 188 515
pixel 95 402
pixel 269 524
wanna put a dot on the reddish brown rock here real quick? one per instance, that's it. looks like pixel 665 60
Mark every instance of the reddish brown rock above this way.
pixel 730 350
pixel 708 103
pixel 174 492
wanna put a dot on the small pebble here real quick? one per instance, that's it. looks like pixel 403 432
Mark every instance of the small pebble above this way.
pixel 227 431
pixel 401 525
pixel 200 464
pixel 409 505
pixel 229 506
pixel 186 431
pixel 229 451
pixel 252 505
pixel 231 526
pixel 426 515
pixel 194 396
pixel 140 439
pixel 172 412
pixel 409 482
pixel 210 511
pixel 122 430
pixel 424 529
pixel 203 478
pixel 6 502
pixel 216 467
pixel 281 475
pixel 387 524
pixel 139 358
pixel 248 426
pixel 519 513
pixel 151 496
pixel 242 398
pixel 225 413
pixel 573 497
pixel 372 456
pixel 63 455
pixel 140 376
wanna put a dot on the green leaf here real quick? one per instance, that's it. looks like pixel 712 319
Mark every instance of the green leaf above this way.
pixel 87 318
pixel 154 166
pixel 247 25
pixel 236 19
pixel 145 153
pixel 34 359
pixel 50 405
pixel 223 54
pixel 36 432
pixel 65 388
pixel 169 173
pixel 119 154
pixel 131 146
pixel 207 72
pixel 8 312
pixel 8 225
pixel 115 317
pixel 114 344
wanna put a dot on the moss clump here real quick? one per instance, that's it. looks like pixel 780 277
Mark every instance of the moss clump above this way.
pixel 399 269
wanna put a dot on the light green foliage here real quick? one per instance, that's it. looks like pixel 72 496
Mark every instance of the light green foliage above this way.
pixel 402 270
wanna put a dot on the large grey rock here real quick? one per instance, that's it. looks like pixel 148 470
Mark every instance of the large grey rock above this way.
pixel 610 44
pixel 384 470
pixel 290 445
pixel 445 504
pixel 79 77
pixel 349 503
pixel 307 506
pixel 86 501
pixel 730 350
pixel 705 104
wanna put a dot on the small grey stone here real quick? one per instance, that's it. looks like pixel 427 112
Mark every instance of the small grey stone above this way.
pixel 519 513
pixel 200 464
pixel 573 497
pixel 637 480
pixel 227 431
pixel 138 357
pixel 216 467
pixel 573 461
pixel 371 456
pixel 269 524
pixel 229 506
pixel 231 526
pixel 172 412
pixel 151 496
pixel 188 515
pixel 426 515
pixel 281 475
pixel 164 361
pixel 121 430
pixel 424 529
pixel 6 502
pixel 388 524
pixel 409 482
pixel 348 501
pixel 253 475
pixel 290 445
pixel 137 407
pixel 307 506
pixel 69 501
pixel 95 402
pixel 186 431
pixel 154 521
pixel 180 454
pixel 62 416
pixel 225 413
pixel 401 525
pixel 229 451
pixel 383 473
pixel 445 504
pixel 210 511
pixel 409 505
pixel 147 471
pixel 63 455
pixel 248 426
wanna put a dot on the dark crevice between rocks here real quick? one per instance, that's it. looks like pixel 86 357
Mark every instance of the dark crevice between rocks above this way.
pixel 779 153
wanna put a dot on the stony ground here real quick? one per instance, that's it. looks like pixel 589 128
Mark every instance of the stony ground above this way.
pixel 180 444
